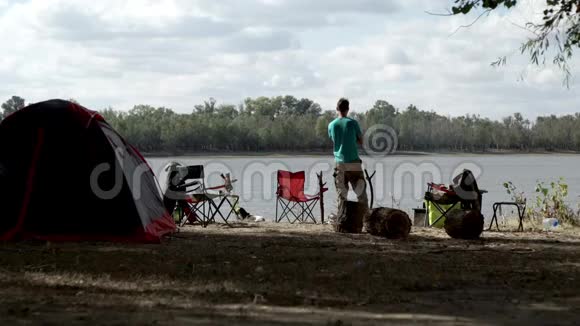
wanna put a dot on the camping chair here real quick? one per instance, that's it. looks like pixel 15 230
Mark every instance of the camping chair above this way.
pixel 177 187
pixel 198 204
pixel 440 200
pixel 294 204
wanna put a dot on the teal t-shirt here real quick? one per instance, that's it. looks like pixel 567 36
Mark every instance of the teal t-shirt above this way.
pixel 344 133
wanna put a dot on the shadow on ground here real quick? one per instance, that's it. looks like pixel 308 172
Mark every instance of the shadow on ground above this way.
pixel 274 274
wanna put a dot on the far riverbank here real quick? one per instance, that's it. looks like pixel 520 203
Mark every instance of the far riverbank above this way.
pixel 329 152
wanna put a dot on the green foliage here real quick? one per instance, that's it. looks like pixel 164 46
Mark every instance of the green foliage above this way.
pixel 285 123
pixel 557 34
pixel 278 123
pixel 517 196
pixel 465 6
pixel 13 104
pixel 550 202
pixel 288 124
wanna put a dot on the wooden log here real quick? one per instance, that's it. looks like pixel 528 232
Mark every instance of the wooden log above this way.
pixel 464 224
pixel 388 222
pixel 351 220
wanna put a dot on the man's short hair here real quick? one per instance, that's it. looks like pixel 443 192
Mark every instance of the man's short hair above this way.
pixel 342 105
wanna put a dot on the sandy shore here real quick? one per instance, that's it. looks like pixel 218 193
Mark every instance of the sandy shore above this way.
pixel 265 274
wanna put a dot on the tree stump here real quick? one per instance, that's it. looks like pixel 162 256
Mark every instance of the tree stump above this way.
pixel 388 222
pixel 351 220
pixel 464 224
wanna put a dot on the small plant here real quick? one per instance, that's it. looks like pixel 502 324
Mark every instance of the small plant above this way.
pixel 517 196
pixel 550 202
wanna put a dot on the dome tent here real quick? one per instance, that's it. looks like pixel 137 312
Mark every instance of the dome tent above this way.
pixel 66 175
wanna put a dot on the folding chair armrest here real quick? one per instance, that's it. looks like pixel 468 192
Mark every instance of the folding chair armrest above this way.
pixel 220 186
pixel 317 194
pixel 192 190
pixel 184 186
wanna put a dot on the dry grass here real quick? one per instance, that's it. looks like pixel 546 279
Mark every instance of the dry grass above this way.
pixel 282 274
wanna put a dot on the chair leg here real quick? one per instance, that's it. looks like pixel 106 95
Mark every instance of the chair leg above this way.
pixel 187 217
pixel 493 218
pixel 301 213
pixel 496 207
pixel 204 210
pixel 210 212
pixel 183 219
pixel 282 212
pixel 443 213
pixel 297 217
pixel 286 209
pixel 232 206
pixel 291 211
pixel 276 216
pixel 305 212
pixel 284 206
pixel 216 210
pixel 521 223
pixel 204 220
pixel 308 210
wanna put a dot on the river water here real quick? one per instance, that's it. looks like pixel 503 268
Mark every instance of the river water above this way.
pixel 400 181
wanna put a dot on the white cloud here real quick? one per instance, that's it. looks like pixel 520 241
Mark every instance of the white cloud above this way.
pixel 176 53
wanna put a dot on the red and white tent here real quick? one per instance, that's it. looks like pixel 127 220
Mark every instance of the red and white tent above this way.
pixel 66 175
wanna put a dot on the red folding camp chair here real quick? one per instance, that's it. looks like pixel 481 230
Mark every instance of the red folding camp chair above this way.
pixel 295 205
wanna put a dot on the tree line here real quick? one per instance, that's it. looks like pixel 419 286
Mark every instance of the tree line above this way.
pixel 286 123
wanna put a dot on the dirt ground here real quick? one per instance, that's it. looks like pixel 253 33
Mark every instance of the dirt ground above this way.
pixel 270 274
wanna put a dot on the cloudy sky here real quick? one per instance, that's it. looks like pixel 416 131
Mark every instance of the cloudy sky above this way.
pixel 176 53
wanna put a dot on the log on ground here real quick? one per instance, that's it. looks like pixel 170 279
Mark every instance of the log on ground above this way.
pixel 464 224
pixel 388 222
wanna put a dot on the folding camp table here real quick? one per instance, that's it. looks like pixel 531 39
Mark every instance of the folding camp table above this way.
pixel 521 207
pixel 228 201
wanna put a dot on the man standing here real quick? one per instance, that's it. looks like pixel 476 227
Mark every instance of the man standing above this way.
pixel 346 136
